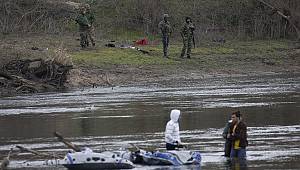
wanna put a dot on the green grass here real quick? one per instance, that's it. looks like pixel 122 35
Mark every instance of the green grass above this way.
pixel 213 56
pixel 129 36
pixel 259 47
pixel 118 56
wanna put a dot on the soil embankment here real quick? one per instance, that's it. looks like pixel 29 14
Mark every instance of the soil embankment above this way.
pixel 103 66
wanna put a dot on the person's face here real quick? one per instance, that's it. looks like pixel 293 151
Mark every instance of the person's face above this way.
pixel 234 119
pixel 165 18
pixel 188 20
pixel 179 119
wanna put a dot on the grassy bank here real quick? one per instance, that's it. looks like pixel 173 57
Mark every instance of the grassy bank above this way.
pixel 104 66
pixel 207 56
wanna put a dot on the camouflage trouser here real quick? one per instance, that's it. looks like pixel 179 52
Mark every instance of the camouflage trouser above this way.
pixel 165 41
pixel 91 34
pixel 187 47
pixel 83 39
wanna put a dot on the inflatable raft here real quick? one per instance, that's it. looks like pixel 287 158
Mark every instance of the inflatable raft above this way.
pixel 89 160
pixel 166 158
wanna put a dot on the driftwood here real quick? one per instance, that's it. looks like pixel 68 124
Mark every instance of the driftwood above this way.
pixel 5 161
pixel 67 143
pixel 40 155
pixel 23 149
pixel 30 76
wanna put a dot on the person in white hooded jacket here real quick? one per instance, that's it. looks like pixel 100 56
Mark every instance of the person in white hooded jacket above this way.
pixel 172 136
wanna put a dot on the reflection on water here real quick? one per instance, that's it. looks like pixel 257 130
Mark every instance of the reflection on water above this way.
pixel 105 118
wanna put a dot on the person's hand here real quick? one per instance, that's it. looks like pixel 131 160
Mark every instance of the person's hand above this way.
pixel 228 135
pixel 178 143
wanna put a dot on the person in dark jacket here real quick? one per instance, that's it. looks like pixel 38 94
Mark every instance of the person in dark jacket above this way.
pixel 238 136
pixel 227 146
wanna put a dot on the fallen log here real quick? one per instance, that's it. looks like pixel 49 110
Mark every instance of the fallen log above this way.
pixel 67 143
pixel 4 163
pixel 292 19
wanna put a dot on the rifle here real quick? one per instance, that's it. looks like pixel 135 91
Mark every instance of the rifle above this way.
pixel 193 38
pixel 192 30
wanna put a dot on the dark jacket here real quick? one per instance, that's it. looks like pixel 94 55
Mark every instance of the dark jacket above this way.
pixel 226 130
pixel 240 134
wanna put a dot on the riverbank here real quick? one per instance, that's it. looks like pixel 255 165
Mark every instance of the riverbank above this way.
pixel 122 65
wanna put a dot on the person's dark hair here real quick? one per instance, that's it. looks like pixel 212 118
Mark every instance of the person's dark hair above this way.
pixel 237 114
pixel 186 18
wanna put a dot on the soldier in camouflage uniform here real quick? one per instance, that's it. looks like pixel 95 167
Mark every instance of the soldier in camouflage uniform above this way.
pixel 166 31
pixel 187 36
pixel 84 25
pixel 91 18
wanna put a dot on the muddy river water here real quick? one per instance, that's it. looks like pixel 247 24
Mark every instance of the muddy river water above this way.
pixel 110 118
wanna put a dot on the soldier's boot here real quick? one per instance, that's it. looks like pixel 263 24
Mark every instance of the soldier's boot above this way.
pixel 182 53
pixel 82 44
pixel 166 55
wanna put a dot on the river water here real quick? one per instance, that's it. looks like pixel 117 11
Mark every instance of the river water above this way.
pixel 110 118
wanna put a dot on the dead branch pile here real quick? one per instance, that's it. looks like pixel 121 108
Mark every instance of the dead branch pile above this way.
pixel 31 76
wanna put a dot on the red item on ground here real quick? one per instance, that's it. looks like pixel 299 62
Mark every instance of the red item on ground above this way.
pixel 143 41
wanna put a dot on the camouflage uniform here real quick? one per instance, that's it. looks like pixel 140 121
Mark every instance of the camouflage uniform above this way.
pixel 166 31
pixel 187 36
pixel 84 25
pixel 91 30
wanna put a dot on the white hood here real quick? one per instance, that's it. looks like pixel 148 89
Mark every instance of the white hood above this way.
pixel 174 115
